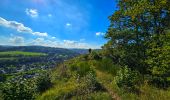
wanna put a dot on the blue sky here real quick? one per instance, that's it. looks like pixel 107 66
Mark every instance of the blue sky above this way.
pixel 55 23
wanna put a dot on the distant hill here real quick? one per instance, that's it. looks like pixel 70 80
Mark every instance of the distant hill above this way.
pixel 80 51
pixel 40 49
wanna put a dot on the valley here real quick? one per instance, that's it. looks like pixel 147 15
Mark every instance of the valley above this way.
pixel 29 62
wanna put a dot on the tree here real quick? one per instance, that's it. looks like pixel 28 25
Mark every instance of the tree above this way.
pixel 137 34
pixel 158 60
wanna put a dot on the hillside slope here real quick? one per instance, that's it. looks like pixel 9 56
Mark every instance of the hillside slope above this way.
pixel 84 78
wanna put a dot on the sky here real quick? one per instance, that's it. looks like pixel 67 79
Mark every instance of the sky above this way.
pixel 55 23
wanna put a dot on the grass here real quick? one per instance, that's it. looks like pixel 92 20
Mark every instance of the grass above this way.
pixel 106 80
pixel 67 87
pixel 61 90
pixel 152 93
pixel 147 92
pixel 94 96
pixel 20 53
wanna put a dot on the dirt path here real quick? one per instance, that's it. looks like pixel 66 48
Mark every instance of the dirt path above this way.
pixel 106 79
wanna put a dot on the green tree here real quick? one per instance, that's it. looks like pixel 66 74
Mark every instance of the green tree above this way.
pixel 158 59
pixel 137 35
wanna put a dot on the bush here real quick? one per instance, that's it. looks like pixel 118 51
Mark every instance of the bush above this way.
pixel 94 55
pixel 43 83
pixel 20 90
pixel 2 78
pixel 107 65
pixel 160 82
pixel 128 79
pixel 82 68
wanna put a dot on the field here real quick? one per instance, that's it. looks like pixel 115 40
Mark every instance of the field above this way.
pixel 20 53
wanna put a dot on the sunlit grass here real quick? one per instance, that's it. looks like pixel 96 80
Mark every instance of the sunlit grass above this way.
pixel 20 53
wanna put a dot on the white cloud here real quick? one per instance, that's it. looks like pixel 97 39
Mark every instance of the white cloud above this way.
pixel 70 42
pixel 16 40
pixel 68 24
pixel 53 37
pixel 45 42
pixel 20 41
pixel 78 44
pixel 20 27
pixel 38 41
pixel 32 12
pixel 15 25
pixel 40 34
pixel 100 34
pixel 62 43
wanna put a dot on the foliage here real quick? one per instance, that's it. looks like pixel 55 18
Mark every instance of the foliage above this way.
pixel 94 55
pixel 43 83
pixel 81 68
pixel 2 78
pixel 158 60
pixel 128 79
pixel 106 64
pixel 72 87
pixel 138 38
pixel 19 90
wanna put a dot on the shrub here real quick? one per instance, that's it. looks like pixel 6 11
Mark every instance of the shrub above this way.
pixel 43 83
pixel 87 84
pixel 82 68
pixel 2 78
pixel 94 55
pixel 20 90
pixel 107 65
pixel 160 82
pixel 128 79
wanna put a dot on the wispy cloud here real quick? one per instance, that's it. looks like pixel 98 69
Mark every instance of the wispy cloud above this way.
pixel 17 40
pixel 32 12
pixel 70 42
pixel 40 34
pixel 38 41
pixel 100 33
pixel 78 44
pixel 62 43
pixel 45 41
pixel 20 27
pixel 53 37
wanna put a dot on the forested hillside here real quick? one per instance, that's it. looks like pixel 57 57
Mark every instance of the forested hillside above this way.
pixel 41 49
pixel 133 65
